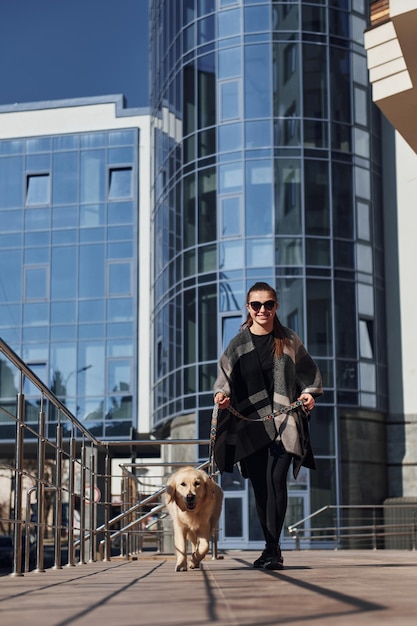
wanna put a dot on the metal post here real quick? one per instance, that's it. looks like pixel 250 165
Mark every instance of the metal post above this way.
pixel 40 529
pixel 107 510
pixel 58 497
pixel 93 551
pixel 18 483
pixel 71 507
pixel 82 504
pixel 28 527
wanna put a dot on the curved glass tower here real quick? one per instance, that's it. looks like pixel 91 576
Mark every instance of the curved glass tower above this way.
pixel 266 167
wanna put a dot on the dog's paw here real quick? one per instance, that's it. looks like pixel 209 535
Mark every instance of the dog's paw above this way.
pixel 194 562
pixel 181 567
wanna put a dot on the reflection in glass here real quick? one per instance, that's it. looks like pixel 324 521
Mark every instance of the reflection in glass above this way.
pixel 319 320
pixel 287 196
pixel 259 252
pixel 91 271
pixel 35 314
pixel 231 178
pixel 119 408
pixel 231 327
pixel 120 310
pixel 119 375
pixel 317 251
pixel 228 22
pixel 231 216
pixel 230 63
pixel 230 137
pixel 11 188
pixel 92 215
pixel 11 220
pixel 64 217
pixel 231 255
pixel 120 278
pixel 257 81
pixel 65 179
pixel 92 176
pixel 316 197
pixel 63 282
pixel 291 302
pixel 36 283
pixel 258 196
pixel 90 410
pixel 258 134
pixel 229 100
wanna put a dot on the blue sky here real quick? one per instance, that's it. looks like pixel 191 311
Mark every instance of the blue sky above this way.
pixel 55 49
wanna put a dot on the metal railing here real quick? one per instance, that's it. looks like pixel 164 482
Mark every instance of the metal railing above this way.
pixel 57 481
pixel 52 468
pixel 358 526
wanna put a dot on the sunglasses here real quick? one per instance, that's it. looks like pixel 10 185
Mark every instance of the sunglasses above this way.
pixel 257 306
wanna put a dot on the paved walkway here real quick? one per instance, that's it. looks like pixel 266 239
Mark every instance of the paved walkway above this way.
pixel 327 588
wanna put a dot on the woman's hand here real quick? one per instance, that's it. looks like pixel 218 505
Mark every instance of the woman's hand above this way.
pixel 308 400
pixel 222 400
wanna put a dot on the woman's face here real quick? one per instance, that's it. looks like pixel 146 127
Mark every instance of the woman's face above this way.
pixel 262 307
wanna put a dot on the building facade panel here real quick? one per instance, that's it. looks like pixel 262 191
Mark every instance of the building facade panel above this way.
pixel 271 177
pixel 69 257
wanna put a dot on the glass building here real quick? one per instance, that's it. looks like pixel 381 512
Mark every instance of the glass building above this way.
pixel 72 227
pixel 267 167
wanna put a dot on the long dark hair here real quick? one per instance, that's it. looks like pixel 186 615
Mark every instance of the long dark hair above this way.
pixel 280 336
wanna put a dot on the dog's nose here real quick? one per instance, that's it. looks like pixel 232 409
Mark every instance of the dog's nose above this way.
pixel 190 497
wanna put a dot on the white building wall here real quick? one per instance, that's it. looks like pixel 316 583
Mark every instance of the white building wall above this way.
pixel 400 202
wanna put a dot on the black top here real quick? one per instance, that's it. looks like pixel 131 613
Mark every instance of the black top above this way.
pixel 264 345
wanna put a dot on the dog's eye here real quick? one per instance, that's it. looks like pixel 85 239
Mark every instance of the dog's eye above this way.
pixel 197 483
pixel 183 484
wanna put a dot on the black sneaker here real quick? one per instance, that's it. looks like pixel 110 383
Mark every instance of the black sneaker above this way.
pixel 274 562
pixel 269 556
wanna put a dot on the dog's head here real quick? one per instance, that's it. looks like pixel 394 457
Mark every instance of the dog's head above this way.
pixel 187 487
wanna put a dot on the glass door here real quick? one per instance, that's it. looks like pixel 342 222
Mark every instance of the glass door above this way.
pixel 233 528
pixel 239 526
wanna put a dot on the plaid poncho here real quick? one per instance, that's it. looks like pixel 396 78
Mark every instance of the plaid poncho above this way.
pixel 240 377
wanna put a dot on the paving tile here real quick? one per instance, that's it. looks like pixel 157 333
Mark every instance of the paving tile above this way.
pixel 363 588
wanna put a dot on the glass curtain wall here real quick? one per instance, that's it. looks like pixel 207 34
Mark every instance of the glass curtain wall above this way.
pixel 68 271
pixel 262 143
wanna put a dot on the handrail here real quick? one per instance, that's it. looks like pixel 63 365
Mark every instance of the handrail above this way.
pixel 46 392
pixel 372 531
pixel 80 462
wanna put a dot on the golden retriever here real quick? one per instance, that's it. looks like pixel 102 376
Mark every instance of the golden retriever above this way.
pixel 194 502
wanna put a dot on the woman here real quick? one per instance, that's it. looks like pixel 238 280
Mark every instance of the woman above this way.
pixel 264 368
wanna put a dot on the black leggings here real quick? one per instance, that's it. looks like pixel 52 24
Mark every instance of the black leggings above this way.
pixel 267 470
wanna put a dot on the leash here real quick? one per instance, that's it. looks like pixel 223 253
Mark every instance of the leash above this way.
pixel 232 410
pixel 285 409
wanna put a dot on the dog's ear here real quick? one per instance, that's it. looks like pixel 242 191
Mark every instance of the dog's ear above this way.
pixel 170 490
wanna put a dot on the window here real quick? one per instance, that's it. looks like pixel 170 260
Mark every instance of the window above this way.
pixel 37 189
pixel 366 338
pixel 231 216
pixel 290 61
pixel 36 283
pixel 120 183
pixel 229 100
pixel 120 278
pixel 40 370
